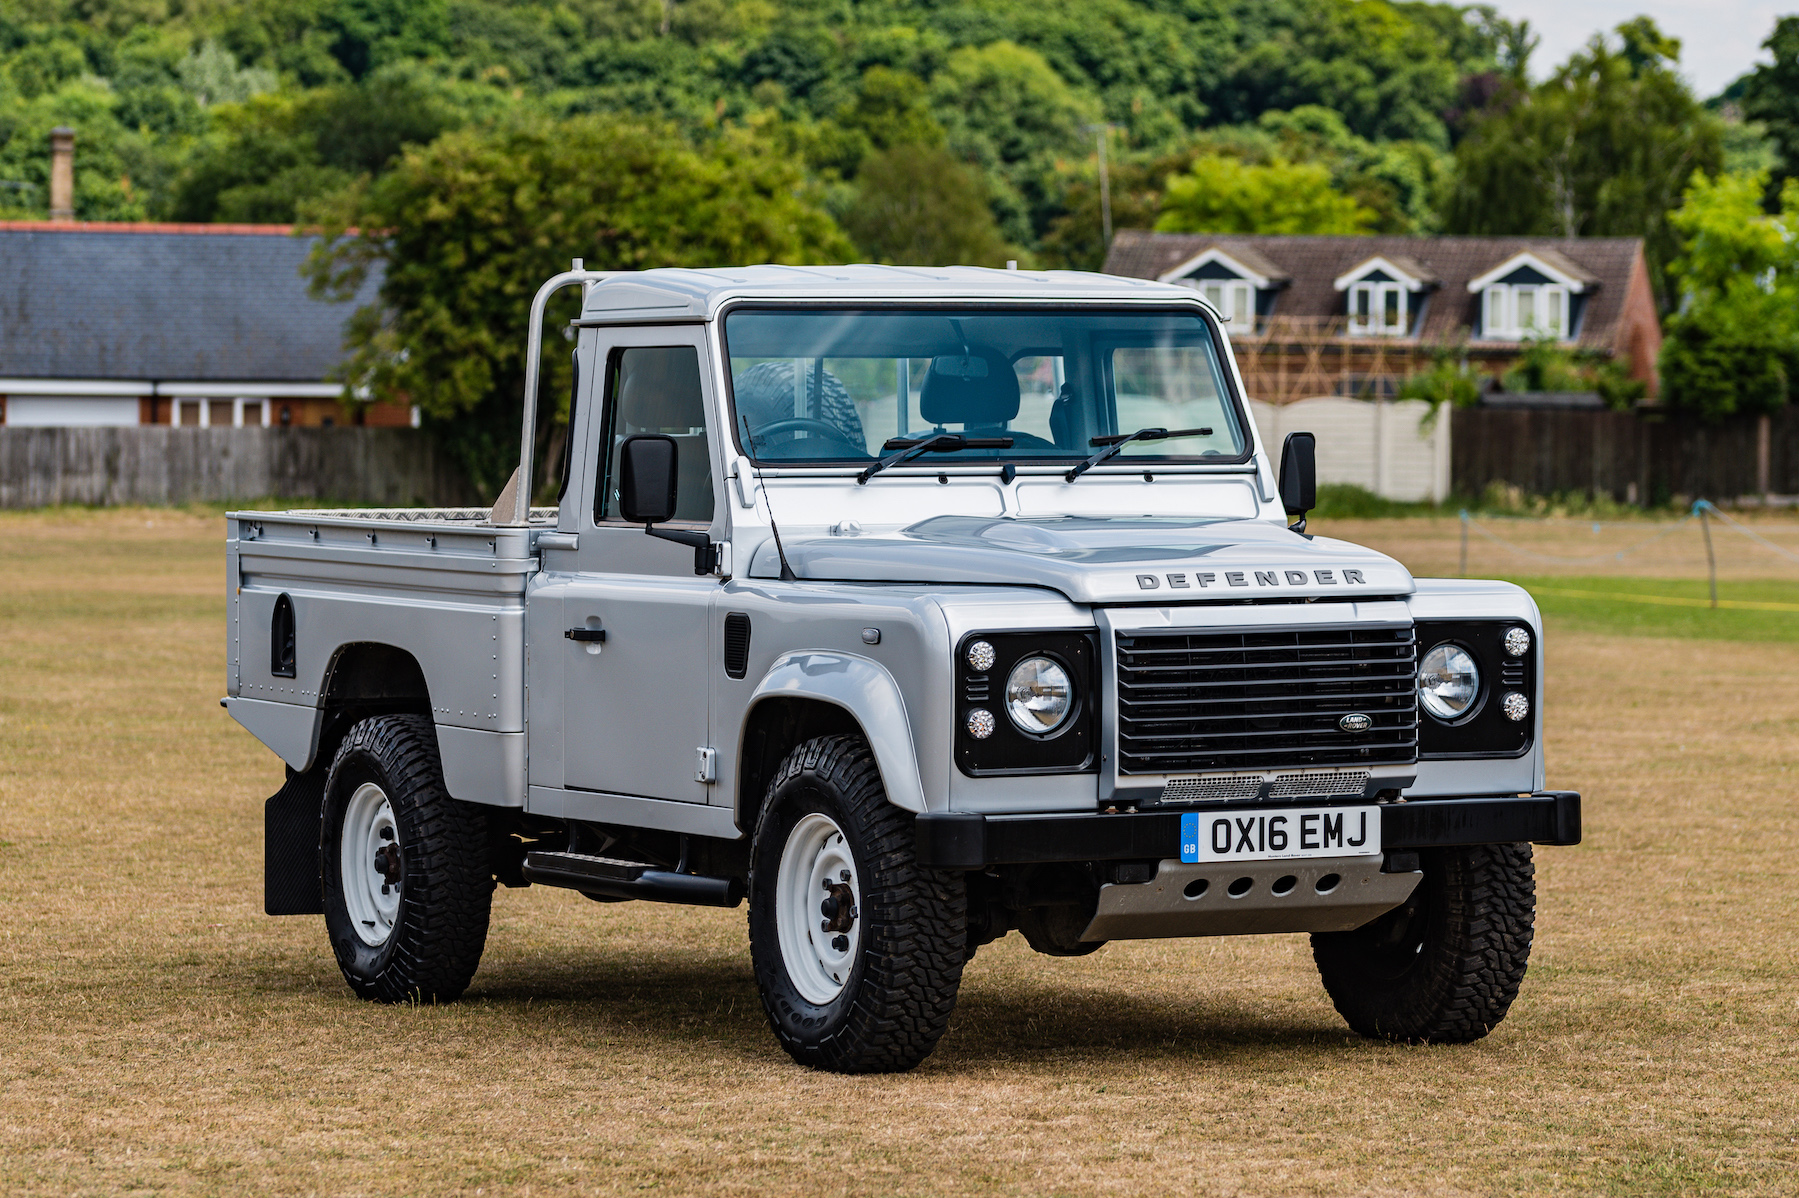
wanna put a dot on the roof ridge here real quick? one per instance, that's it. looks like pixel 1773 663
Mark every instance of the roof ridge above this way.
pixel 105 226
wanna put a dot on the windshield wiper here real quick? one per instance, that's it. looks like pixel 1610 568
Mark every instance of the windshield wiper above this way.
pixel 935 443
pixel 1115 445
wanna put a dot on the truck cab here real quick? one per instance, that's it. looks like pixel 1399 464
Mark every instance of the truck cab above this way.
pixel 918 607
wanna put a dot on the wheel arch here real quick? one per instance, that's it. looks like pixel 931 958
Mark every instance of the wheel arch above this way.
pixel 365 678
pixel 813 693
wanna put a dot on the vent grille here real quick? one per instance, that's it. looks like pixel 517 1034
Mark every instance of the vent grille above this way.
pixel 1211 790
pixel 1265 698
pixel 737 644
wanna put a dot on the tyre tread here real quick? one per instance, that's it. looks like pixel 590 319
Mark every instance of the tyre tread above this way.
pixel 913 967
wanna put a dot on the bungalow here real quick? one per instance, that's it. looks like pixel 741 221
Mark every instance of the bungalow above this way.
pixel 1354 315
pixel 195 325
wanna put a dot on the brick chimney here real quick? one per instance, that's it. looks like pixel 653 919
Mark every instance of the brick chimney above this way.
pixel 62 173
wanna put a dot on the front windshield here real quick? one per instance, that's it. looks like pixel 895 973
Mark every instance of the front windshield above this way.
pixel 836 385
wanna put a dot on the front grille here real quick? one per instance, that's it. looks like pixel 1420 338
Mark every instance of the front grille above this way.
pixel 1265 698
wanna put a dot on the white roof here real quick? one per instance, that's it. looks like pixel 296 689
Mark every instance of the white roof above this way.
pixel 700 293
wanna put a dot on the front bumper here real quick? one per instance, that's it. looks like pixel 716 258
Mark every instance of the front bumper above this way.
pixel 963 840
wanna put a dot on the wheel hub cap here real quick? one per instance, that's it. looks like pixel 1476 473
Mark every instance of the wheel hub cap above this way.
pixel 370 864
pixel 817 908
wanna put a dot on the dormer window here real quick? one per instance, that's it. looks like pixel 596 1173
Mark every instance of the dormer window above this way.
pixel 1377 305
pixel 1384 296
pixel 1530 295
pixel 1238 282
pixel 1517 311
pixel 1235 301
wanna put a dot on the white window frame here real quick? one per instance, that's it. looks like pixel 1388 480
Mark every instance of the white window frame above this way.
pixel 1376 322
pixel 1503 303
pixel 1234 298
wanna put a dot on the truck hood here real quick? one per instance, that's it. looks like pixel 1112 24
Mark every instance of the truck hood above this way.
pixel 1097 559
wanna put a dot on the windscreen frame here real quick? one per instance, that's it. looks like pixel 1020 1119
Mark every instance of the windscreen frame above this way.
pixel 1231 392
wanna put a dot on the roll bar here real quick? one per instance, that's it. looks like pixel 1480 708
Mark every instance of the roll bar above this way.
pixel 521 499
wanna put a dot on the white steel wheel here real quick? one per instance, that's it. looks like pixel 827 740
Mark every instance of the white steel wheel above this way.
pixel 369 864
pixel 818 899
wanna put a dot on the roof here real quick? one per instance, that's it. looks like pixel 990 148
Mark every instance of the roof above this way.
pixel 1403 264
pixel 1246 256
pixel 1314 263
pixel 700 293
pixel 164 302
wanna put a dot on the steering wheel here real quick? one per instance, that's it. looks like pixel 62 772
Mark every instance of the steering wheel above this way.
pixel 804 424
pixel 798 424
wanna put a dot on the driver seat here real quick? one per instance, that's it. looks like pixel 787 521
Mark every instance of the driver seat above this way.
pixel 983 406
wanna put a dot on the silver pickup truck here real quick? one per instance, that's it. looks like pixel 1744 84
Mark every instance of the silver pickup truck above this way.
pixel 919 607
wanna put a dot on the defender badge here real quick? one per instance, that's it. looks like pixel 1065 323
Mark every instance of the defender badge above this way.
pixel 1356 723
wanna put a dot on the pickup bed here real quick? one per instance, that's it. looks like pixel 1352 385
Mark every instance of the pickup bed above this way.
pixel 917 608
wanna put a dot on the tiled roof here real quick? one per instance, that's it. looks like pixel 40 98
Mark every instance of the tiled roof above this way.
pixel 1246 256
pixel 165 303
pixel 1314 263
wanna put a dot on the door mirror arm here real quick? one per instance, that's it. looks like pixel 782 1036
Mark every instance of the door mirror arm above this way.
pixel 705 550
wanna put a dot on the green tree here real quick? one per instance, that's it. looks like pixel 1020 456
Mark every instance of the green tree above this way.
pixel 1770 95
pixel 466 229
pixel 920 206
pixel 276 152
pixel 1007 110
pixel 1600 149
pixel 1223 195
pixel 1734 345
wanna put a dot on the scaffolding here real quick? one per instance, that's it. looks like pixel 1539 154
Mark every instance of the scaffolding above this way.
pixel 1284 358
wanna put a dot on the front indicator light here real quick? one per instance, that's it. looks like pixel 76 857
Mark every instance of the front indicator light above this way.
pixel 1517 641
pixel 980 657
pixel 1039 695
pixel 1515 706
pixel 980 723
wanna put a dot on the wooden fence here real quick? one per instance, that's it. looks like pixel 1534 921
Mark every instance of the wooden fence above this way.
pixel 1632 458
pixel 156 465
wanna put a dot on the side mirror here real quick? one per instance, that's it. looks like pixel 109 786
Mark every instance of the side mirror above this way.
pixel 648 470
pixel 1299 476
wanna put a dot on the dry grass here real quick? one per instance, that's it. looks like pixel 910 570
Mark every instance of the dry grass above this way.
pixel 158 1033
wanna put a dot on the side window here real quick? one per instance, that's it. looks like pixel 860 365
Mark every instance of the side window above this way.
pixel 656 389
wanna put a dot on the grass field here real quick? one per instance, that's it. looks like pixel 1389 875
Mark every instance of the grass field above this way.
pixel 159 1034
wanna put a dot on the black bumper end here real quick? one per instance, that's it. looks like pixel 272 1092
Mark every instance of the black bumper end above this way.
pixel 961 840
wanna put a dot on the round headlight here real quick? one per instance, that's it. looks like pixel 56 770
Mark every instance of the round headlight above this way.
pixel 1448 681
pixel 1039 695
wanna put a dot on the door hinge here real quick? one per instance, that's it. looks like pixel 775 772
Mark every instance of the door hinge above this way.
pixel 706 770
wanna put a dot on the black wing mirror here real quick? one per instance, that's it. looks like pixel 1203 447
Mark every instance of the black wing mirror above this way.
pixel 649 467
pixel 648 472
pixel 1299 477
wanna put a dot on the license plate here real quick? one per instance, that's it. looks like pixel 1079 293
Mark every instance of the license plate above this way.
pixel 1288 832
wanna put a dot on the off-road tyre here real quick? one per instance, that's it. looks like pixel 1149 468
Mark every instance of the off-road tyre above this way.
pixel 446 884
pixel 1444 967
pixel 907 963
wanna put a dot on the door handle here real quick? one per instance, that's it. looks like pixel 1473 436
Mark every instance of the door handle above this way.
pixel 589 635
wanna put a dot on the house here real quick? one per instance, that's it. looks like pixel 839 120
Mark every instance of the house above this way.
pixel 1354 315
pixel 196 325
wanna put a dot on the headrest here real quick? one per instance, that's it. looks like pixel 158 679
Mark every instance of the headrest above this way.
pixel 958 391
pixel 659 390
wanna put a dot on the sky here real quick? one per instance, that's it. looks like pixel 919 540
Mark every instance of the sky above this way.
pixel 1719 39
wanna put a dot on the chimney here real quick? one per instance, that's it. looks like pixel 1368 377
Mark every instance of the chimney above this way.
pixel 62 173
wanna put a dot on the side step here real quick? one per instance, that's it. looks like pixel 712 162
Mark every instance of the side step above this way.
pixel 630 880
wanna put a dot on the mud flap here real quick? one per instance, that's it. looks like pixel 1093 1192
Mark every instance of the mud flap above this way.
pixel 291 819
